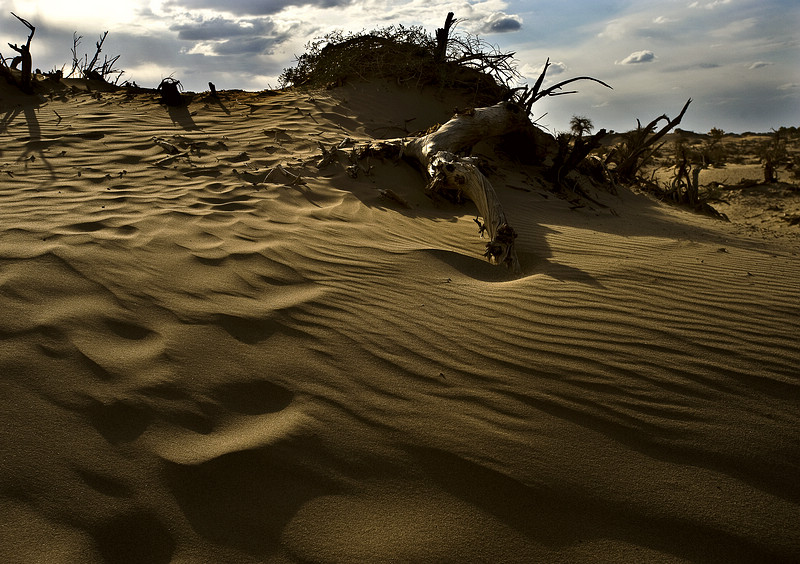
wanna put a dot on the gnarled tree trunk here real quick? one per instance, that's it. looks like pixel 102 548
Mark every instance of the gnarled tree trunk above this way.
pixel 458 177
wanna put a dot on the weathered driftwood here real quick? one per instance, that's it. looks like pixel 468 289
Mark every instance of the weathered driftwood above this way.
pixel 450 175
pixel 459 177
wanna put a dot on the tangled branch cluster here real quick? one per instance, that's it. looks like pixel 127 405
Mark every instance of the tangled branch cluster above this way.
pixel 84 68
pixel 406 54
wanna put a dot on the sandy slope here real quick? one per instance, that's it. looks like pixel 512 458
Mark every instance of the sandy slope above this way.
pixel 202 360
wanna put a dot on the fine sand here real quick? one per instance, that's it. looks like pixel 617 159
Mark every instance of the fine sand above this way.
pixel 224 354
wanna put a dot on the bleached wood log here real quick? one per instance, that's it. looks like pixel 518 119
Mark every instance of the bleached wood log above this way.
pixel 451 173
pixel 465 129
pixel 460 177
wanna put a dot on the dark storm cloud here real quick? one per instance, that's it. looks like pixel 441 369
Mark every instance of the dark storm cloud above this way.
pixel 693 66
pixel 248 45
pixel 502 23
pixel 221 28
pixel 252 7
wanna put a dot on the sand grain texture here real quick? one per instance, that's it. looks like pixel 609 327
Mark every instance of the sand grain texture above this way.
pixel 204 358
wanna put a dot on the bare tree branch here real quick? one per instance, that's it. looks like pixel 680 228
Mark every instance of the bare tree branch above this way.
pixel 636 149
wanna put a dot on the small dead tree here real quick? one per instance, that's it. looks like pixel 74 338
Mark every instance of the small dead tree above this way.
pixel 637 148
pixel 83 67
pixel 24 58
pixel 572 150
pixel 773 153
pixel 442 37
pixel 685 184
pixel 170 91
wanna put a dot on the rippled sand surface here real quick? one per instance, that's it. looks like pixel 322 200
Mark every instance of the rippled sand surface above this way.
pixel 213 351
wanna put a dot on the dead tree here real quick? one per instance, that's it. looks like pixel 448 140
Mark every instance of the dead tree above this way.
pixel 457 177
pixel 92 69
pixel 773 154
pixel 442 37
pixel 528 96
pixel 89 71
pixel 24 57
pixel 685 185
pixel 571 152
pixel 638 146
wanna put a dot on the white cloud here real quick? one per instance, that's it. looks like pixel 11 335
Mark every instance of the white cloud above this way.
pixel 251 7
pixel 759 64
pixel 203 29
pixel 86 13
pixel 638 57
pixel 615 29
pixel 709 5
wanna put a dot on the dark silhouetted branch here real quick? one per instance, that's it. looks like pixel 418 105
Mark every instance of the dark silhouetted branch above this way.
pixel 26 84
pixel 442 36
pixel 637 148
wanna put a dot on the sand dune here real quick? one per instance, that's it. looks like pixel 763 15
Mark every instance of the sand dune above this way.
pixel 212 351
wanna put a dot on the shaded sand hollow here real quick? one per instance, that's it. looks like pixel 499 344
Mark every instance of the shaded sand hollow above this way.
pixel 203 359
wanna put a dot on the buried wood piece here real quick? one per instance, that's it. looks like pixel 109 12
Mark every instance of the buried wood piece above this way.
pixel 166 145
pixel 390 194
pixel 458 177
pixel 328 156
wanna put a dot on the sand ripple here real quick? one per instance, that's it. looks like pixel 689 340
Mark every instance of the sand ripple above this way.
pixel 211 351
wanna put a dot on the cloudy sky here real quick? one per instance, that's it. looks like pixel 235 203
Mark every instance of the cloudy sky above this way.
pixel 739 60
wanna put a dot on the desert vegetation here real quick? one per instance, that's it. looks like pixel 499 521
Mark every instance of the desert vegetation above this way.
pixel 23 62
pixel 409 56
pixel 92 68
